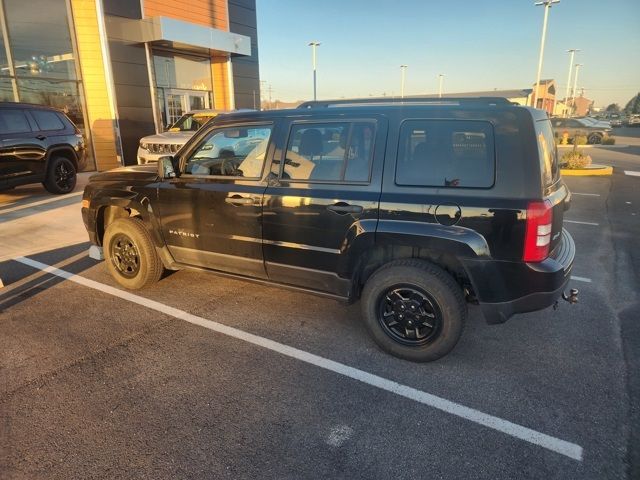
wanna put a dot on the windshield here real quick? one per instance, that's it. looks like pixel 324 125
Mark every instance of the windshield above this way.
pixel 190 122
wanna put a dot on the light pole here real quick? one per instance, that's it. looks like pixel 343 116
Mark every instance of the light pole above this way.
pixel 440 77
pixel 575 85
pixel 313 46
pixel 403 68
pixel 566 95
pixel 547 5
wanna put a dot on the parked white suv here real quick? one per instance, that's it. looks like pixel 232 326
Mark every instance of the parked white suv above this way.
pixel 153 147
pixel 634 120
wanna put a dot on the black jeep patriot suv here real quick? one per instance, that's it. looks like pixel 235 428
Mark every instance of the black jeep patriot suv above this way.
pixel 415 208
pixel 39 144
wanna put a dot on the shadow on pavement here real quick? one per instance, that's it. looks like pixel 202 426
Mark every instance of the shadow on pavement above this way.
pixel 24 209
pixel 22 282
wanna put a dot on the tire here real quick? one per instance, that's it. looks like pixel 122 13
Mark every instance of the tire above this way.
pixel 130 255
pixel 61 176
pixel 412 281
pixel 594 139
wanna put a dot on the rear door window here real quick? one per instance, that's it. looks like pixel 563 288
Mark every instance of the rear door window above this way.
pixel 446 153
pixel 13 121
pixel 329 152
pixel 47 120
pixel 548 153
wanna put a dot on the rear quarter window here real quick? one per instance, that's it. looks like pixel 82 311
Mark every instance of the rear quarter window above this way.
pixel 547 153
pixel 446 153
pixel 47 120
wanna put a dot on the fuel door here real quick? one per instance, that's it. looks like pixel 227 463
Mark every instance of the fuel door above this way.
pixel 448 214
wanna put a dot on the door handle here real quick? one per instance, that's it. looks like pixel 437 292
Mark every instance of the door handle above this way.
pixel 343 208
pixel 41 137
pixel 237 200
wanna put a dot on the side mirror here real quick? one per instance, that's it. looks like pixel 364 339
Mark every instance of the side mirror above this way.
pixel 165 168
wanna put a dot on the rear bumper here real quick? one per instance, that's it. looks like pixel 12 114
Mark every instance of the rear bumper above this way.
pixel 506 288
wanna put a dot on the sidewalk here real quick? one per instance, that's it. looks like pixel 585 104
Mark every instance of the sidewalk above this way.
pixel 32 220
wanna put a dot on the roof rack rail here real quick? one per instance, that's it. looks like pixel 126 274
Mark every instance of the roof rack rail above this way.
pixel 407 101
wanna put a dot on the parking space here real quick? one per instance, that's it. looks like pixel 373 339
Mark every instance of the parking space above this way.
pixel 200 374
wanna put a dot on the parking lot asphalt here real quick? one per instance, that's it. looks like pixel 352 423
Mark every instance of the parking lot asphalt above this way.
pixel 98 384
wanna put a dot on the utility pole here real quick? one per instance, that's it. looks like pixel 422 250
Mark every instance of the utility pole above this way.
pixel 402 74
pixel 270 101
pixel 263 89
pixel 547 5
pixel 566 95
pixel 575 84
pixel 440 77
pixel 313 46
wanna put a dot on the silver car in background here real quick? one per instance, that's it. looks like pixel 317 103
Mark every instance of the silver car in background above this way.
pixel 152 147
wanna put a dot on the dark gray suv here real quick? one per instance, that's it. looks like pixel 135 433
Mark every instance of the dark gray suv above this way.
pixel 39 144
pixel 414 208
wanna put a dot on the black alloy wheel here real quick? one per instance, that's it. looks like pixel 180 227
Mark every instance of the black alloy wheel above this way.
pixel 64 176
pixel 409 315
pixel 125 255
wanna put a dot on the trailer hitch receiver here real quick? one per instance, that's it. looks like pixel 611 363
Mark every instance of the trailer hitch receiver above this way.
pixel 572 297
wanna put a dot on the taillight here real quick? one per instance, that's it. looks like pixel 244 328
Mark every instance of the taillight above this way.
pixel 537 235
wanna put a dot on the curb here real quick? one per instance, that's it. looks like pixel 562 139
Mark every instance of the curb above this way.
pixel 594 170
pixel 595 146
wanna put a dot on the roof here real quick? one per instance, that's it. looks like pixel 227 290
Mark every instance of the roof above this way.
pixel 515 93
pixel 370 107
pixel 27 105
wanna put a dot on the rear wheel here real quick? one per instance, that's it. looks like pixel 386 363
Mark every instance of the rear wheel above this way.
pixel 61 176
pixel 594 138
pixel 130 255
pixel 413 310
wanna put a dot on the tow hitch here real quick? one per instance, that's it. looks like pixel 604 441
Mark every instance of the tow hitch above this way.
pixel 572 297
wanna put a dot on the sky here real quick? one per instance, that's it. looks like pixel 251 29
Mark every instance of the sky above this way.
pixel 477 44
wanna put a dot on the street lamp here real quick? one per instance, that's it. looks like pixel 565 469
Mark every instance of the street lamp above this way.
pixel 440 77
pixel 566 95
pixel 313 46
pixel 575 85
pixel 403 68
pixel 547 5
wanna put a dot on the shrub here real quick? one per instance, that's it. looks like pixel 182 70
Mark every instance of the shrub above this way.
pixel 575 159
pixel 608 141
pixel 579 140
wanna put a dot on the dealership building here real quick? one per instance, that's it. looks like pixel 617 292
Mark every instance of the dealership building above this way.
pixel 123 69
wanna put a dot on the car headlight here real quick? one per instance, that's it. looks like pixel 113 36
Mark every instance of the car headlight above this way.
pixel 144 146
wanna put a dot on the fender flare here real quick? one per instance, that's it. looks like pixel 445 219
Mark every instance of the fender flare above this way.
pixel 57 148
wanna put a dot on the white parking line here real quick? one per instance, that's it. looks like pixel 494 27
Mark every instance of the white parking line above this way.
pixel 581 279
pixel 581 223
pixel 554 444
pixel 632 173
pixel 586 194
pixel 41 202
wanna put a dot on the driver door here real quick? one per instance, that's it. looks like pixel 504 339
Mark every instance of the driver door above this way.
pixel 211 214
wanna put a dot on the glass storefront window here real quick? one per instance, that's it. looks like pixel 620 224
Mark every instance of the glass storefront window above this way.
pixel 173 70
pixel 39 38
pixel 183 84
pixel 6 90
pixel 4 64
pixel 55 93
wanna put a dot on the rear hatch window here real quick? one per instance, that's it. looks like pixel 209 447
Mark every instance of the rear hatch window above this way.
pixel 555 191
pixel 547 152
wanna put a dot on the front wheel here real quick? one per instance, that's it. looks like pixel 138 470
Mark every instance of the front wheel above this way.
pixel 130 255
pixel 414 310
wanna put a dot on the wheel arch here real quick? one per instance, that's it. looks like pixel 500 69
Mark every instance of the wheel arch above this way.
pixel 443 246
pixel 65 151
